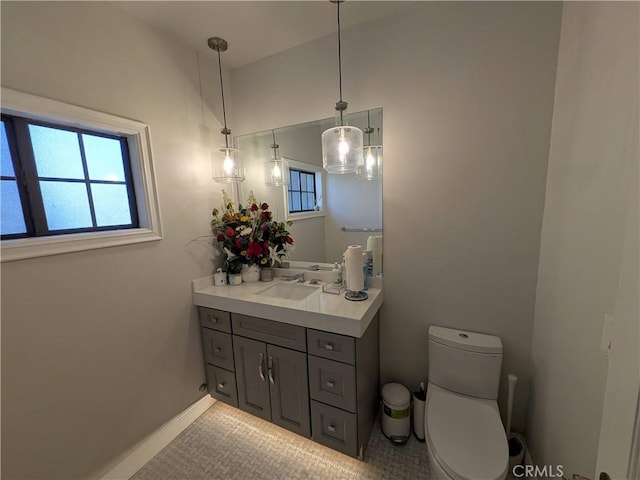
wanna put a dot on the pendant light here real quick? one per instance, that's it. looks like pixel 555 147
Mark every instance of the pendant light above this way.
pixel 227 164
pixel 371 167
pixel 276 170
pixel 342 144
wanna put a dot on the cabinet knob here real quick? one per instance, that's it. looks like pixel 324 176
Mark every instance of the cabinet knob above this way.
pixel 328 346
pixel 213 319
pixel 331 383
pixel 217 350
pixel 331 428
pixel 221 385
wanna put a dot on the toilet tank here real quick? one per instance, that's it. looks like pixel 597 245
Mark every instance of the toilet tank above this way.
pixel 465 362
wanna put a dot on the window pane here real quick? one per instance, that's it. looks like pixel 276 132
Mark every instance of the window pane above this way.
pixel 57 152
pixel 7 166
pixel 311 184
pixel 111 203
pixel 305 202
pixel 310 201
pixel 104 158
pixel 296 203
pixel 66 205
pixel 295 180
pixel 12 216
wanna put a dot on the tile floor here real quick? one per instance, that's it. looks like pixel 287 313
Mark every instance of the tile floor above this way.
pixel 227 443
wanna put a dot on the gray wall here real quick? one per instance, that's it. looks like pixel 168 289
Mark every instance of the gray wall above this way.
pixel 593 165
pixel 467 92
pixel 100 348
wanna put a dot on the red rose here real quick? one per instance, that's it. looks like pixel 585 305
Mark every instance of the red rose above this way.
pixel 237 243
pixel 220 237
pixel 230 232
pixel 254 250
pixel 264 206
pixel 254 207
pixel 288 239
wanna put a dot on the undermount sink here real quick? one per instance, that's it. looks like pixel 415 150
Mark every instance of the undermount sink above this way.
pixel 289 291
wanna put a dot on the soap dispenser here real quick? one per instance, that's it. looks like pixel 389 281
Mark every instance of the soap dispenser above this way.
pixel 336 273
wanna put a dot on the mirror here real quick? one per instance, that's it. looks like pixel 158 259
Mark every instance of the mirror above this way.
pixel 329 212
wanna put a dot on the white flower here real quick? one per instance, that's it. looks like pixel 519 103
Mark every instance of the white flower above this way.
pixel 245 231
pixel 230 254
pixel 275 258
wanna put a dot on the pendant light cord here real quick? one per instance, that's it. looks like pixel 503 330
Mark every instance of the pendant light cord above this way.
pixel 340 65
pixel 339 54
pixel 225 131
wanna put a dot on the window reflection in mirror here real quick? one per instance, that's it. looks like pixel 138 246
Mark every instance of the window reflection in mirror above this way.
pixel 346 209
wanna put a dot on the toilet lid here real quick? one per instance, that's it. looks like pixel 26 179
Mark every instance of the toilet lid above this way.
pixel 467 437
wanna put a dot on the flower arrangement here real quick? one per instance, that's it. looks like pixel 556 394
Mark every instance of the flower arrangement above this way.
pixel 249 235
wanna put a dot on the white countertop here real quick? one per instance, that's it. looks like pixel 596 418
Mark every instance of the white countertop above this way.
pixel 319 310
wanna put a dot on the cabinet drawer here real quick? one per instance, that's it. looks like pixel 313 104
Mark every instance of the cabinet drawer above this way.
pixel 275 333
pixel 334 428
pixel 333 383
pixel 216 319
pixel 331 346
pixel 218 348
pixel 222 385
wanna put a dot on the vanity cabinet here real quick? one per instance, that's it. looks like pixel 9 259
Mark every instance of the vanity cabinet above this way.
pixel 217 350
pixel 344 388
pixel 315 383
pixel 272 383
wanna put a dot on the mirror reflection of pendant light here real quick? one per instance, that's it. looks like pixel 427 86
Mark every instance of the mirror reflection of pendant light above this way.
pixel 342 144
pixel 371 167
pixel 276 170
pixel 227 164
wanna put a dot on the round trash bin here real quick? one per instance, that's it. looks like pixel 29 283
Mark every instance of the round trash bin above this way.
pixel 396 421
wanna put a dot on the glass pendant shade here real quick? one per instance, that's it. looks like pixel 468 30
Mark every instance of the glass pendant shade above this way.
pixel 342 149
pixel 276 172
pixel 227 166
pixel 371 167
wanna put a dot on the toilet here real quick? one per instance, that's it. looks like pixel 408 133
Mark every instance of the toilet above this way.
pixel 464 433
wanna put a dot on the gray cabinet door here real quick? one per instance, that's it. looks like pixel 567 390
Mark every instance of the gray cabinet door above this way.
pixel 251 376
pixel 335 428
pixel 217 348
pixel 289 388
pixel 222 385
pixel 333 383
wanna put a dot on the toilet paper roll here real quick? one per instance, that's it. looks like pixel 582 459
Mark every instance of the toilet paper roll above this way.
pixel 353 266
pixel 374 243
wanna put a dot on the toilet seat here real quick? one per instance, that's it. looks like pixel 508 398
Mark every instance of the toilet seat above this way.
pixel 466 436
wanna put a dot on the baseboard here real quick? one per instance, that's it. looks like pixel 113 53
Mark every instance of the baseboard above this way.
pixel 135 458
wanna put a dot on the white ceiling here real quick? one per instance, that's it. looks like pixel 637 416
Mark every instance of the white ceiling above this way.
pixel 254 29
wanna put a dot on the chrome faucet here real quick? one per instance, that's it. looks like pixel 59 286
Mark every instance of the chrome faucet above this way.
pixel 296 276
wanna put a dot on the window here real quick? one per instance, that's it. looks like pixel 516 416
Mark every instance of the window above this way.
pixel 303 196
pixel 72 179
pixel 302 191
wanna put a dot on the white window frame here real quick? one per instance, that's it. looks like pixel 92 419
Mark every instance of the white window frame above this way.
pixel 319 174
pixel 34 107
